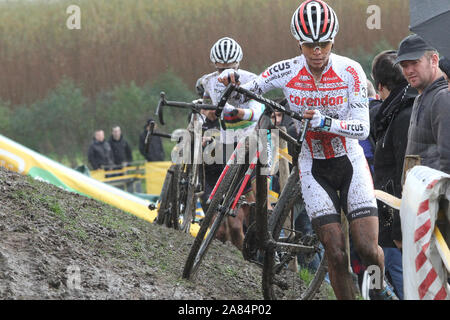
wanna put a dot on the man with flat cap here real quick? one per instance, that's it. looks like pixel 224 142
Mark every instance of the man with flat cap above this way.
pixel 429 130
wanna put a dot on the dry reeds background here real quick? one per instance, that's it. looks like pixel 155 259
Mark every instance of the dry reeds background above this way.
pixel 137 40
pixel 58 85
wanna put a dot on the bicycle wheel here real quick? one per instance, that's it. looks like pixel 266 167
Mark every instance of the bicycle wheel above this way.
pixel 218 209
pixel 165 203
pixel 181 177
pixel 277 281
pixel 189 207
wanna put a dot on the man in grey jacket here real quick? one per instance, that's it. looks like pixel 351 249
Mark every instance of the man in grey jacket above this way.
pixel 429 131
pixel 444 65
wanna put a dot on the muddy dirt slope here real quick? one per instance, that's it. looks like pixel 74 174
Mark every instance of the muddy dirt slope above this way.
pixel 60 245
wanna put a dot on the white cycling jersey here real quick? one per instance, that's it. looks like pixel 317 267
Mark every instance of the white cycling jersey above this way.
pixel 340 94
pixel 235 128
pixel 334 172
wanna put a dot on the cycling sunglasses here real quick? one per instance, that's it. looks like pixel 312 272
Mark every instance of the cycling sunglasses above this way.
pixel 315 45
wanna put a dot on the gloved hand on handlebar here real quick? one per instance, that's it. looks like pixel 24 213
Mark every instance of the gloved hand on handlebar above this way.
pixel 318 120
pixel 229 75
pixel 229 110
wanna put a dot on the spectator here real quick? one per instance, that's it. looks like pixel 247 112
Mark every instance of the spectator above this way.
pixel 121 151
pixel 444 65
pixel 99 152
pixel 155 150
pixel 368 144
pixel 429 134
pixel 391 124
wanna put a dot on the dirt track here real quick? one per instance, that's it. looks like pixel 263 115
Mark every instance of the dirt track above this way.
pixel 60 245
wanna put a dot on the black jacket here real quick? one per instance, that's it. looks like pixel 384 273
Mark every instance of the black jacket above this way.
pixel 155 150
pixel 429 134
pixel 121 151
pixel 390 128
pixel 100 153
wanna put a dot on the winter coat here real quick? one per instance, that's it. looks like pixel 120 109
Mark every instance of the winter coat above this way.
pixel 121 151
pixel 100 154
pixel 429 132
pixel 368 144
pixel 155 150
pixel 390 128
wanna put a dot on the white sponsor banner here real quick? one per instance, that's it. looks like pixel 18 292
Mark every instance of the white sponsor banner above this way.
pixel 424 273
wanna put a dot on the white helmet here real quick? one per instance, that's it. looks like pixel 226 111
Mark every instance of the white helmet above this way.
pixel 314 21
pixel 226 50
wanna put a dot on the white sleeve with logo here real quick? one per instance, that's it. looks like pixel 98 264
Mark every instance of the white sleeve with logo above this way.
pixel 276 76
pixel 357 125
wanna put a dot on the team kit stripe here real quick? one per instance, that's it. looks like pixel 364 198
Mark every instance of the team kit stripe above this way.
pixel 238 125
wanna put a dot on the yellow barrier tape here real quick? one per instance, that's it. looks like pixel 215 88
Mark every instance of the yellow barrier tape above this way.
pixel 16 157
pixel 442 248
pixel 283 153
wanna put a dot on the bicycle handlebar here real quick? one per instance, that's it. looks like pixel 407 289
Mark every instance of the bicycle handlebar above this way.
pixel 151 133
pixel 178 104
pixel 231 87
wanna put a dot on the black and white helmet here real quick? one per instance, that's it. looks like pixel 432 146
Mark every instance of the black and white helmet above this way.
pixel 314 21
pixel 226 50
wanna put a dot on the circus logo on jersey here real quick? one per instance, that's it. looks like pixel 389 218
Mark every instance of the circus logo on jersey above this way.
pixel 302 81
pixel 355 77
pixel 277 68
pixel 351 127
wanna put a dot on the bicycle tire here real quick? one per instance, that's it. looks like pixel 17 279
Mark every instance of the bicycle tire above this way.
pixel 191 199
pixel 201 243
pixel 164 202
pixel 275 288
pixel 171 218
pixel 180 193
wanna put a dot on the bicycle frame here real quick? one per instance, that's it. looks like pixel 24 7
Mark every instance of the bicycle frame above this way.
pixel 255 164
pixel 195 179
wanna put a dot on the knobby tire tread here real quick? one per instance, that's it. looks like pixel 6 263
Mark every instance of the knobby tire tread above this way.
pixel 280 213
pixel 190 267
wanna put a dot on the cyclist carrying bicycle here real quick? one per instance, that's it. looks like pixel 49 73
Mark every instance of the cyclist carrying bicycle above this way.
pixel 331 90
pixel 210 128
pixel 238 119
